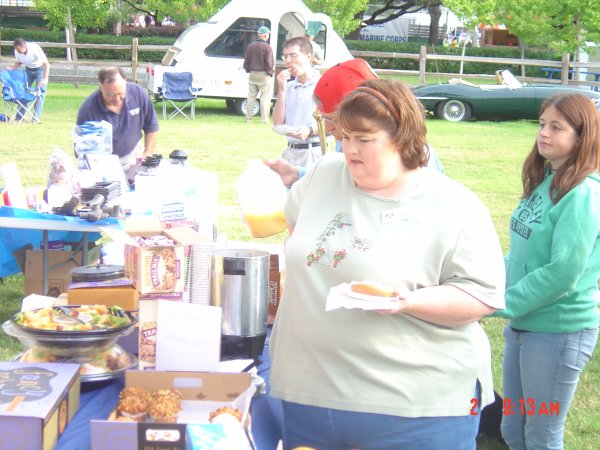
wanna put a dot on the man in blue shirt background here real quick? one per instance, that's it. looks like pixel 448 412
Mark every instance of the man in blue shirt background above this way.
pixel 127 107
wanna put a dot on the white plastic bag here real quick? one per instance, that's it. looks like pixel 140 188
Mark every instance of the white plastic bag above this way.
pixel 92 137
pixel 63 178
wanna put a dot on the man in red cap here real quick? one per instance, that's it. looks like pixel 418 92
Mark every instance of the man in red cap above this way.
pixel 333 86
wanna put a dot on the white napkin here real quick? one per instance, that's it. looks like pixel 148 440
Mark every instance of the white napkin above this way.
pixel 338 298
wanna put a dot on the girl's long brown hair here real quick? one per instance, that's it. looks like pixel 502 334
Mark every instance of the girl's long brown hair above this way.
pixel 399 112
pixel 580 112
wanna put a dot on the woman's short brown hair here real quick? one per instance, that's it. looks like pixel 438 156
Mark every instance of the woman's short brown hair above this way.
pixel 391 106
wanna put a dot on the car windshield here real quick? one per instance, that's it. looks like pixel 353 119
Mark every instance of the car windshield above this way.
pixel 509 79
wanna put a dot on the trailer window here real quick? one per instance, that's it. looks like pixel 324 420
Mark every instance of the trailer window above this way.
pixel 233 41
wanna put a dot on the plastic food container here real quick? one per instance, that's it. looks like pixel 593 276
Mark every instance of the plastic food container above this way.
pixel 69 343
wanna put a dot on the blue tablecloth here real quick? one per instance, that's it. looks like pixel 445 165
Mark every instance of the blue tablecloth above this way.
pixel 12 239
pixel 97 402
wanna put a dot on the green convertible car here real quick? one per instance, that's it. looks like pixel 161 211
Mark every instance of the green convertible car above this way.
pixel 509 99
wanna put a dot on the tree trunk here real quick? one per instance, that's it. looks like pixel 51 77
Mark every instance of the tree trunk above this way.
pixel 356 33
pixel 117 30
pixel 72 52
pixel 476 36
pixel 435 12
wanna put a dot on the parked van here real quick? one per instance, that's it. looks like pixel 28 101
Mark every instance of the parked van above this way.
pixel 214 51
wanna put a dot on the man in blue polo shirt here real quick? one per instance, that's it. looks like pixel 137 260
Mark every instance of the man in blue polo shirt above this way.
pixel 127 107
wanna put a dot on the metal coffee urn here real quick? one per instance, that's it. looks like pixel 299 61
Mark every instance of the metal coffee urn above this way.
pixel 239 281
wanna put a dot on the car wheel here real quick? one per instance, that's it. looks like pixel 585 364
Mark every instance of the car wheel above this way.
pixel 454 111
pixel 240 107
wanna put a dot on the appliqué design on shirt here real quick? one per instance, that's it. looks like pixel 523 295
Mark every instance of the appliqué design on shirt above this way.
pixel 529 211
pixel 331 251
pixel 134 112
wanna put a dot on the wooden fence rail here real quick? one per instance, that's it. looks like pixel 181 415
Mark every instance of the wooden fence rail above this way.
pixel 565 67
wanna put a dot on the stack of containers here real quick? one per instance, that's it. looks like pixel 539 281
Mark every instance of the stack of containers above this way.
pixel 155 261
pixel 177 194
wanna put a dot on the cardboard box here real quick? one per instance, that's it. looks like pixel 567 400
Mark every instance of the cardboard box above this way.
pixel 184 327
pixel 156 269
pixel 202 393
pixel 59 265
pixel 276 282
pixel 148 326
pixel 37 401
pixel 209 436
pixel 147 323
pixel 117 292
pixel 173 296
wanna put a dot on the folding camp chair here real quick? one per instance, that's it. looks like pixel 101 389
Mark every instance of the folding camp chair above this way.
pixel 19 99
pixel 176 89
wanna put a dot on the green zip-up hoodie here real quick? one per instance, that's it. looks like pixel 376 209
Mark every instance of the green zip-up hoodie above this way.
pixel 553 266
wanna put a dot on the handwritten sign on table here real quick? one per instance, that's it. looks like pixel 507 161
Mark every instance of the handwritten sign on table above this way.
pixel 188 337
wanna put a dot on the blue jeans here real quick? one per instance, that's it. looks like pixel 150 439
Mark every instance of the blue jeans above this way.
pixel 541 372
pixel 37 75
pixel 332 429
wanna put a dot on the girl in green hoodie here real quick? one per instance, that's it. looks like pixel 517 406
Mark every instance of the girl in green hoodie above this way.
pixel 552 273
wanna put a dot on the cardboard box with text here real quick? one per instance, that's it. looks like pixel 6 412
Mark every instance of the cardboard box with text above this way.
pixel 37 401
pixel 156 268
pixel 202 392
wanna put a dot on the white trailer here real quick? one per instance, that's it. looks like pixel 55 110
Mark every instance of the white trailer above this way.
pixel 214 51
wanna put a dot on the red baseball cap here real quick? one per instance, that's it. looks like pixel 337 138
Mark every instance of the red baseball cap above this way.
pixel 339 81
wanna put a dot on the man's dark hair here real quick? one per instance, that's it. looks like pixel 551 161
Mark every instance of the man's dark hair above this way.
pixel 111 74
pixel 19 42
pixel 303 44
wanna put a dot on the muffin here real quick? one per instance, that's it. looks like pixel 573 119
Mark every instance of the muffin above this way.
pixel 134 391
pixel 165 405
pixel 225 415
pixel 133 403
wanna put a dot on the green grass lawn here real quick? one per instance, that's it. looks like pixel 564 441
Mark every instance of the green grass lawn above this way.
pixel 485 156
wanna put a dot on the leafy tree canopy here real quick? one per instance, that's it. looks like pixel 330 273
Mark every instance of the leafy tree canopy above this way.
pixel 558 24
pixel 346 15
pixel 178 10
pixel 84 13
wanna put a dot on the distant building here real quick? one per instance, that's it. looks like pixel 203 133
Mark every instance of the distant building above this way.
pixel 411 25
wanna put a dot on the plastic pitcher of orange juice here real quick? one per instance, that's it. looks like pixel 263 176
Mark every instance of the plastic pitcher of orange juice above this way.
pixel 261 196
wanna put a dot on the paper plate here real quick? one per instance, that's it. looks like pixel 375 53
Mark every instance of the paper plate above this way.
pixel 284 129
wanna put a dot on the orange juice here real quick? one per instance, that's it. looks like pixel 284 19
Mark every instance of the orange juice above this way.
pixel 266 224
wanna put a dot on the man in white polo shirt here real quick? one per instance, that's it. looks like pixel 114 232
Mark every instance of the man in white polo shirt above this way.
pixel 37 68
pixel 295 104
